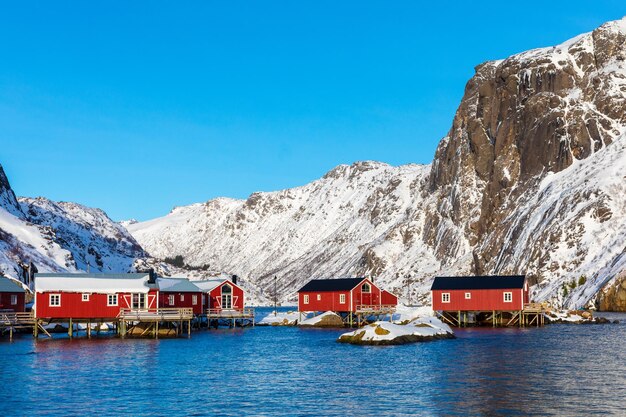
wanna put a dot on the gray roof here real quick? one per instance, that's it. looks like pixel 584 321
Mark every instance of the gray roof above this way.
pixel 176 285
pixel 9 285
pixel 81 275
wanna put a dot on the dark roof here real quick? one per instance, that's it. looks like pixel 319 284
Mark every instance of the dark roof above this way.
pixel 494 282
pixel 9 285
pixel 334 284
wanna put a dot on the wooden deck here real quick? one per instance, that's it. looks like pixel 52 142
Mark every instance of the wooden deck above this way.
pixel 157 314
pixel 245 316
pixel 12 321
pixel 364 311
pixel 147 322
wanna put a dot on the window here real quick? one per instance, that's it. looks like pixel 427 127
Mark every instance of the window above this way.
pixel 445 297
pixel 366 288
pixel 139 301
pixel 55 300
pixel 182 297
pixel 508 297
pixel 111 300
pixel 194 299
pixel 85 297
pixel 13 299
pixel 203 299
pixel 170 300
pixel 342 298
pixel 468 295
pixel 306 298
pixel 319 297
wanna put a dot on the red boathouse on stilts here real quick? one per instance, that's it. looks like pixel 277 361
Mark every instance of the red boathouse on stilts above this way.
pixel 497 300
pixel 349 297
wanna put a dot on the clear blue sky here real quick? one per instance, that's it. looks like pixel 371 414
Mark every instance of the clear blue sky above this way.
pixel 136 107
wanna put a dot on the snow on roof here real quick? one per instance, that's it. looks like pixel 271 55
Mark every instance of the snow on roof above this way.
pixel 177 285
pixel 9 285
pixel 209 284
pixel 93 283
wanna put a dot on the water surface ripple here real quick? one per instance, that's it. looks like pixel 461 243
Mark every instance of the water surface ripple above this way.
pixel 560 370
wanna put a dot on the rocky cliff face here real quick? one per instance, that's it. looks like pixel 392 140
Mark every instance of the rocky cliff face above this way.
pixel 520 120
pixel 528 180
pixel 8 201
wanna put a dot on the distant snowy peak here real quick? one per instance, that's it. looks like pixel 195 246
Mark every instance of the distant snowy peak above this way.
pixel 319 229
pixel 8 201
pixel 95 241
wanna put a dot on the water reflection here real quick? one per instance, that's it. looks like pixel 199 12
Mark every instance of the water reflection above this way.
pixel 556 370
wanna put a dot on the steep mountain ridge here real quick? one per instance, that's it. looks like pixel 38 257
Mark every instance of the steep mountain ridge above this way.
pixel 522 121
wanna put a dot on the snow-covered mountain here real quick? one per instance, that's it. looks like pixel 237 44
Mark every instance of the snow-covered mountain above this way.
pixel 528 180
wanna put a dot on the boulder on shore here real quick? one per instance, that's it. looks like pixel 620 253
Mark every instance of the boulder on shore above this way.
pixel 327 319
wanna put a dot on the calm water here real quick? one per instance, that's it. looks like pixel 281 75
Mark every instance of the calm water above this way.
pixel 556 370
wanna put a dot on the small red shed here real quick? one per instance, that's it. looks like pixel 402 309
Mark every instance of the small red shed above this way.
pixel 342 295
pixel 221 294
pixel 12 296
pixel 179 293
pixel 480 293
pixel 93 296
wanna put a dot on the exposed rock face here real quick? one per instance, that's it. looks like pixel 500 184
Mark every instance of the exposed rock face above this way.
pixel 520 119
pixel 7 196
pixel 613 298
pixel 528 180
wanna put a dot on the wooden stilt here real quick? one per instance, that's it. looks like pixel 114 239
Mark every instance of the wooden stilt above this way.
pixel 70 331
pixel 88 330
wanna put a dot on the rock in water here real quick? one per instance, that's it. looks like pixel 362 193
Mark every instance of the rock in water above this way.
pixel 386 333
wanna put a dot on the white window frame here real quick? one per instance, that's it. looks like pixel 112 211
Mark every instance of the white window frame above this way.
pixel 342 298
pixel 56 297
pixel 182 297
pixel 85 296
pixel 468 295
pixel 171 300
pixel 305 299
pixel 112 300
pixel 13 299
pixel 508 295
pixel 194 300
pixel 369 288
pixel 445 297
pixel 319 297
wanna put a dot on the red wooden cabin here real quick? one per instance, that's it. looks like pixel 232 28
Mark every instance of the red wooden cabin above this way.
pixel 179 293
pixel 221 294
pixel 93 296
pixel 482 293
pixel 342 295
pixel 12 296
pixel 388 298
